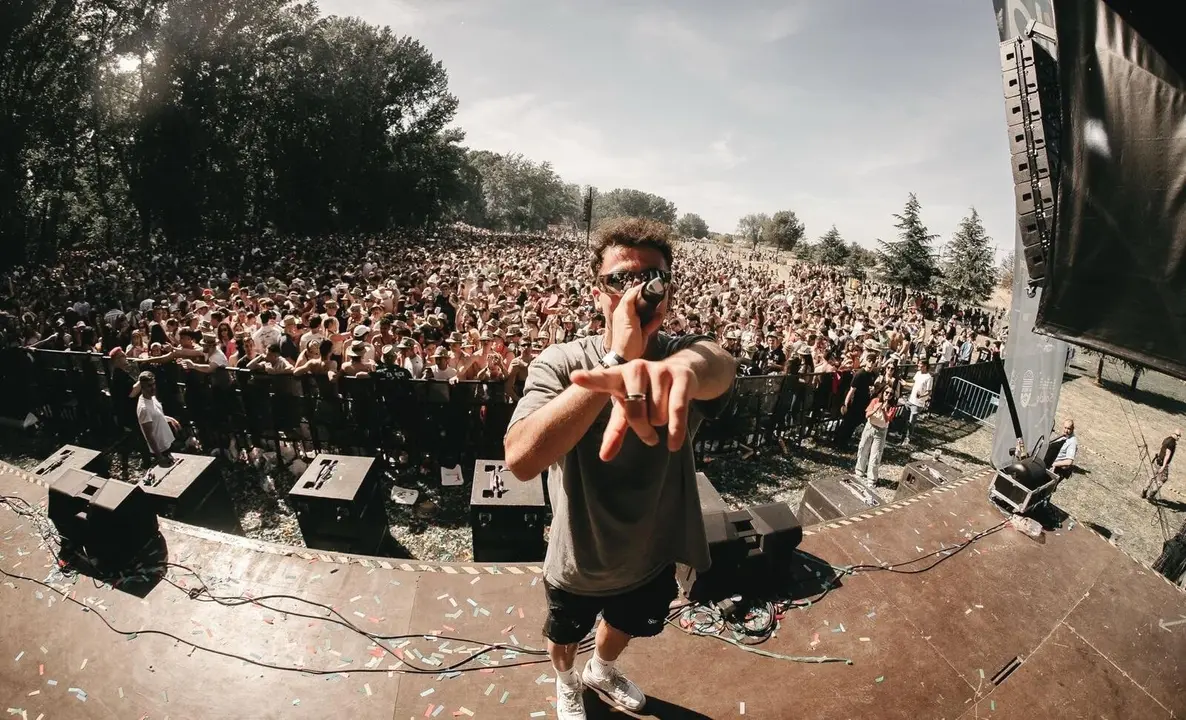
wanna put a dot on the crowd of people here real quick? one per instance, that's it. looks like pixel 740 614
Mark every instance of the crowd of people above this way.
pixel 472 305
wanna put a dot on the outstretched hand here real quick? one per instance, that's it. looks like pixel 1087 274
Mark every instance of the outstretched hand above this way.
pixel 669 389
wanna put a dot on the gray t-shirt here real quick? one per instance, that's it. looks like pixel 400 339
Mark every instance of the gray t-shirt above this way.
pixel 616 525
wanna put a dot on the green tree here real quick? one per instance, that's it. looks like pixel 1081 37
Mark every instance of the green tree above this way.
pixel 909 260
pixel 626 202
pixel 692 225
pixel 831 249
pixel 807 252
pixel 859 261
pixel 752 228
pixel 518 194
pixel 969 273
pixel 1005 271
pixel 785 230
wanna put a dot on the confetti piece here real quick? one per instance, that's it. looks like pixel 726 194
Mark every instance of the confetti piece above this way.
pixel 296 701
pixel 356 598
pixel 864 639
pixel 428 711
pixel 44 651
pixel 438 710
pixel 475 580
pixel 121 693
pixel 503 699
pixel 84 662
pixel 509 609
pixel 41 669
pixel 465 711
pixel 992 705
pixel 471 601
pixel 814 640
pixel 968 611
pixel 35 692
pixel 520 613
pixel 19 655
pixel 538 713
pixel 871 613
pixel 514 640
pixel 367 687
pixel 442 597
pixel 742 708
pixel 881 678
pixel 428 692
pixel 51 683
pixel 979 607
pixel 981 673
pixel 489 689
pixel 534 581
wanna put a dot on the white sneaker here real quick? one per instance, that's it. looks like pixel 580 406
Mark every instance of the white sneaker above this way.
pixel 616 686
pixel 570 702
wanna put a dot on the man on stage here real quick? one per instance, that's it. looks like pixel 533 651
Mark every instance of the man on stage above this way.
pixel 613 416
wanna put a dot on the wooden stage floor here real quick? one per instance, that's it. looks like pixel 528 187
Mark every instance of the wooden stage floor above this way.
pixel 1092 628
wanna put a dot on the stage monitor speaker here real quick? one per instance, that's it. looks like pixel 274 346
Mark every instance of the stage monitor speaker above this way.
pixel 339 506
pixel 750 550
pixel 923 475
pixel 107 521
pixel 191 491
pixel 507 515
pixel 833 496
pixel 65 458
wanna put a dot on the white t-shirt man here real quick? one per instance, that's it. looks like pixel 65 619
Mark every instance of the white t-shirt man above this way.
pixel 155 425
pixel 920 394
pixel 947 353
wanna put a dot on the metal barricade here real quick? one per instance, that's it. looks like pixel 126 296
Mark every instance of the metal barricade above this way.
pixel 972 401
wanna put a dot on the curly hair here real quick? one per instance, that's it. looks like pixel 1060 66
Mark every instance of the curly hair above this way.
pixel 631 232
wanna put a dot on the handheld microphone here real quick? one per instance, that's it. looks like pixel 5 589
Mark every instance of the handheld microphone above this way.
pixel 650 298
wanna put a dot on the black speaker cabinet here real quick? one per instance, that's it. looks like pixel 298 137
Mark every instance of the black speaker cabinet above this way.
pixel 108 520
pixel 749 549
pixel 187 490
pixel 339 505
pixel 65 458
pixel 507 515
pixel 834 496
pixel 923 475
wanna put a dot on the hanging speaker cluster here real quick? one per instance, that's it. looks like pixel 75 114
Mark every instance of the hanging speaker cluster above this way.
pixel 1030 78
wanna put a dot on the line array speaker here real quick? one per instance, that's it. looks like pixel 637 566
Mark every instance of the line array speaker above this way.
pixel 1032 110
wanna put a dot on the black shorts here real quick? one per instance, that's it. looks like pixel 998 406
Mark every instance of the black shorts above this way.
pixel 641 612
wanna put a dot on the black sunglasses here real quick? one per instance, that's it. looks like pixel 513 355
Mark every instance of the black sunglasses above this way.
pixel 620 282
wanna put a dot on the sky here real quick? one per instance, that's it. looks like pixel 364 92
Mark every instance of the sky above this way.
pixel 835 109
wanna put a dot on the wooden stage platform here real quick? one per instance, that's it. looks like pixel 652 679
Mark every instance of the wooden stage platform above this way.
pixel 1095 633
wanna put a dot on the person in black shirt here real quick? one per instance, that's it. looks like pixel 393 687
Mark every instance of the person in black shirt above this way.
pixel 1161 465
pixel 855 402
pixel 290 347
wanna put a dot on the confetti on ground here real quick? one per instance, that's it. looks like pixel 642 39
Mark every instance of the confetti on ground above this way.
pixel 356 598
pixel 979 607
pixel 509 609
pixel 367 687
pixel 41 669
pixel 981 673
pixel 84 662
pixel 475 580
pixel 503 699
pixel 534 580
pixel 881 678
pixel 442 597
pixel 490 689
pixel 472 602
pixel 538 713
pixel 35 692
pixel 296 701
pixel 452 602
pixel 19 655
pixel 864 639
pixel 871 613
pixel 992 705
pixel 968 611
pixel 51 683
pixel 520 613
pixel 121 693
pixel 428 710
pixel 814 640
pixel 742 708
pixel 438 711
pixel 428 692
pixel 465 711
pixel 44 651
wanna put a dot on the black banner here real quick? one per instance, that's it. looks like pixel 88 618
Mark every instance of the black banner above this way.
pixel 1117 266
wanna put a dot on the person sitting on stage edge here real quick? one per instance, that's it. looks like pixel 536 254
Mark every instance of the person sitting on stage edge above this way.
pixel 1065 460
pixel 613 417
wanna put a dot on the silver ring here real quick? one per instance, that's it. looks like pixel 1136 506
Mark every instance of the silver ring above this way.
pixel 636 397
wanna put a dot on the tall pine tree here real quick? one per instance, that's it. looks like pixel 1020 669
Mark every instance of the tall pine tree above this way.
pixel 831 249
pixel 909 261
pixel 968 273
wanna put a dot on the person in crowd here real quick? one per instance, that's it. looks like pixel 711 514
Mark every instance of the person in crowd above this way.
pixel 652 391
pixel 1161 465
pixel 920 395
pixel 859 392
pixel 879 414
pixel 159 429
pixel 1064 462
